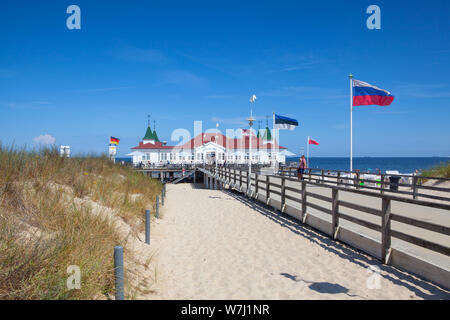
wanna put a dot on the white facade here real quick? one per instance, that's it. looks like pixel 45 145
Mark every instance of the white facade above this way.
pixel 206 151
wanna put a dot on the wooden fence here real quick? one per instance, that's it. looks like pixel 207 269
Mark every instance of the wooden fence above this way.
pixel 266 185
pixel 381 185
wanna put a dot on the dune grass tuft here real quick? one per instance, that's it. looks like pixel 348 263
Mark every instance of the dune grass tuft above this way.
pixel 44 229
pixel 440 171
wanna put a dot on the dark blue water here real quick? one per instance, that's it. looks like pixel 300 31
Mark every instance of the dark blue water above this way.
pixel 403 165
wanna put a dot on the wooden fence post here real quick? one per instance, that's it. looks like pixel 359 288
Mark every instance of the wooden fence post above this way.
pixel 147 226
pixel 267 188
pixel 249 184
pixel 382 184
pixel 118 272
pixel 157 207
pixel 283 194
pixel 240 179
pixel 385 229
pixel 234 173
pixel 303 200
pixel 414 187
pixel 334 212
pixel 323 177
pixel 357 180
pixel 338 178
pixel 256 185
pixel 309 175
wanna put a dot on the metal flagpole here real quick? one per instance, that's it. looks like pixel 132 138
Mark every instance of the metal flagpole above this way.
pixel 351 120
pixel 250 122
pixel 307 153
pixel 273 138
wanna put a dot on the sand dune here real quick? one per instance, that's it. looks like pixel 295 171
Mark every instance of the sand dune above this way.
pixel 218 245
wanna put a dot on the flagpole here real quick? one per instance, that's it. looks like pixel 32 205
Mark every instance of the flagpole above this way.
pixel 250 122
pixel 351 121
pixel 273 138
pixel 307 153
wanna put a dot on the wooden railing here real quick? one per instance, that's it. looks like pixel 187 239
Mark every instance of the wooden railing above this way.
pixel 381 185
pixel 267 186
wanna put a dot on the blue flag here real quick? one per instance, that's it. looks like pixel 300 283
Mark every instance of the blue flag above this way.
pixel 285 123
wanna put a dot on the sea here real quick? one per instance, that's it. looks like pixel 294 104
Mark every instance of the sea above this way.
pixel 402 165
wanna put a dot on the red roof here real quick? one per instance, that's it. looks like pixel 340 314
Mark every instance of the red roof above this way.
pixel 156 145
pixel 229 143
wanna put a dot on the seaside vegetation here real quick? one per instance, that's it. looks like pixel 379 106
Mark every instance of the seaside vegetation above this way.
pixel 48 221
pixel 441 171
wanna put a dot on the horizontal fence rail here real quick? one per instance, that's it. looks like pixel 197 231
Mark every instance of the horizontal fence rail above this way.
pixel 270 185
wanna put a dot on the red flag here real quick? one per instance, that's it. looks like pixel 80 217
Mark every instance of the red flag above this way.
pixel 311 141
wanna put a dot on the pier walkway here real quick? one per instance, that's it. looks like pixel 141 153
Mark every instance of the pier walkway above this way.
pixel 395 228
pixel 219 244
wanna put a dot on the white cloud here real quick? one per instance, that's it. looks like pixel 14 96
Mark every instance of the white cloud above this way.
pixel 44 139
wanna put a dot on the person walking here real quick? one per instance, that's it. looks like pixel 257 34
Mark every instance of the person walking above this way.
pixel 301 168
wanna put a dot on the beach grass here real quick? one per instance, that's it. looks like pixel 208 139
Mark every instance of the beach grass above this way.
pixel 45 226
pixel 440 171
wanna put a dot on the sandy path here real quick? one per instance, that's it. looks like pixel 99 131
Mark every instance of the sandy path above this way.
pixel 217 245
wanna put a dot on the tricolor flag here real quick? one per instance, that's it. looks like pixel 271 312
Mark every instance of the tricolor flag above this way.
pixel 281 122
pixel 311 141
pixel 114 141
pixel 365 94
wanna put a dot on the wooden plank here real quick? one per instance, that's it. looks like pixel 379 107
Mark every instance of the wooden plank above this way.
pixel 299 190
pixel 421 242
pixel 358 207
pixel 319 196
pixel 421 224
pixel 283 193
pixel 361 222
pixel 317 207
pixel 433 188
pixel 293 198
pixel 267 187
pixel 275 185
pixel 385 228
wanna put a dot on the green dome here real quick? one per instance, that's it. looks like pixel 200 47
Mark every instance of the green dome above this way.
pixel 149 135
pixel 267 136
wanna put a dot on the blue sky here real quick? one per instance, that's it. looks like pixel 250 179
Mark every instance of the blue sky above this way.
pixel 202 60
